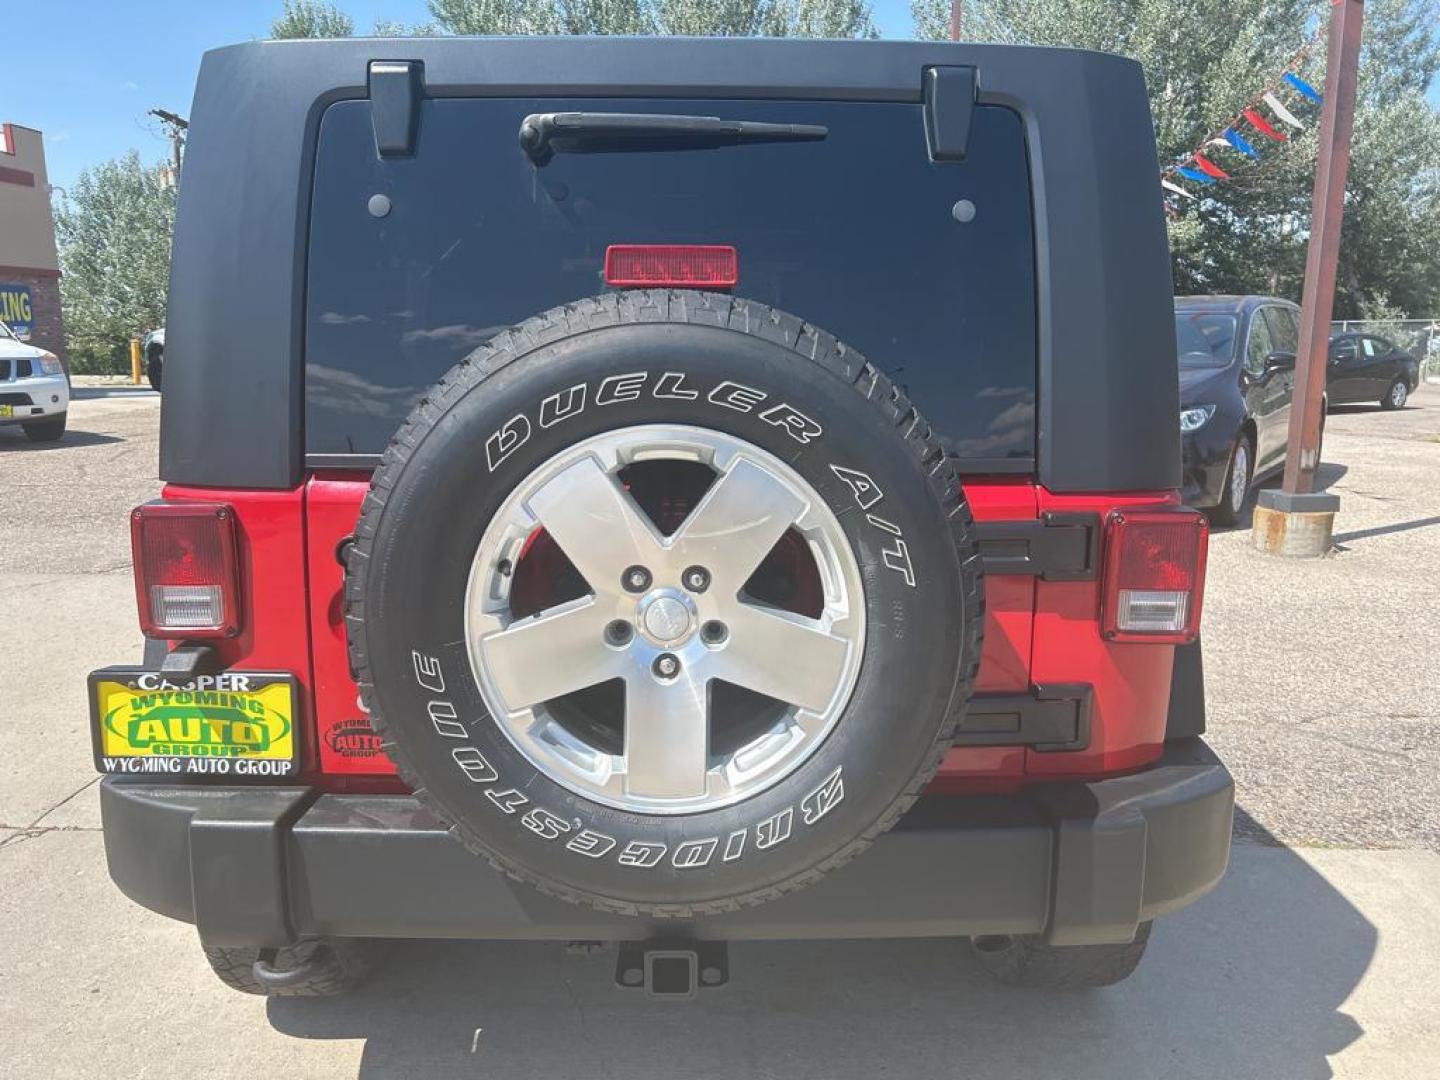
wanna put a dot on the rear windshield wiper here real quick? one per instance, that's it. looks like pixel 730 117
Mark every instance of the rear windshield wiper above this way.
pixel 543 135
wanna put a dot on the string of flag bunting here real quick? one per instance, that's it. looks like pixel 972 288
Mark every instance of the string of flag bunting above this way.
pixel 1238 134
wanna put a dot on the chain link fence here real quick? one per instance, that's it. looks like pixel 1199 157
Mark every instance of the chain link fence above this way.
pixel 1419 337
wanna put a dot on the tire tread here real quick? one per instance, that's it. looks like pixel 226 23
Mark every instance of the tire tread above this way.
pixel 342 965
pixel 941 472
pixel 1030 961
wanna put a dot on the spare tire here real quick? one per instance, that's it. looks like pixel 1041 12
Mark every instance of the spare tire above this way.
pixel 667 602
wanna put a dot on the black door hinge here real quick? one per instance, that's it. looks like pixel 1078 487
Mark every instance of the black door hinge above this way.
pixel 396 87
pixel 949 105
pixel 1055 716
pixel 1053 547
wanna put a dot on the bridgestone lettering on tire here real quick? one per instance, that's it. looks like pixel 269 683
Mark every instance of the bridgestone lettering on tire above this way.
pixel 667 602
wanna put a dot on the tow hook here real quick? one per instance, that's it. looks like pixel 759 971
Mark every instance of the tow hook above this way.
pixel 275 979
pixel 671 969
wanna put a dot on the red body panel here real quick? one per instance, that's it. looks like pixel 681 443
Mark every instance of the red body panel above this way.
pixel 1005 655
pixel 347 744
pixel 274 634
pixel 1036 632
pixel 1131 681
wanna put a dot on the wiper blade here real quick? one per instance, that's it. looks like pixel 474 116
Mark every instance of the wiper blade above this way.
pixel 543 135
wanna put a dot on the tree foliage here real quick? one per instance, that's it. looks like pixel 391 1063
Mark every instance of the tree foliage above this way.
pixel 1206 59
pixel 113 230
pixel 711 18
pixel 700 18
pixel 311 19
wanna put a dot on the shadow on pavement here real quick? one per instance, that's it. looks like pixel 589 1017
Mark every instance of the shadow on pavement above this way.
pixel 15 439
pixel 95 393
pixel 1384 530
pixel 1351 408
pixel 1250 982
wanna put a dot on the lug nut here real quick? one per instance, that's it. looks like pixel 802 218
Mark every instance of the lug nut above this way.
pixel 714 632
pixel 667 666
pixel 636 579
pixel 619 632
pixel 696 579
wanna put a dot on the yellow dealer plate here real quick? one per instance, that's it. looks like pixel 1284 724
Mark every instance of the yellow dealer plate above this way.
pixel 233 724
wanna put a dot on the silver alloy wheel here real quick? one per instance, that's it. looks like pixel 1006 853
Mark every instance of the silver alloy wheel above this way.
pixel 1240 475
pixel 671 652
pixel 1398 393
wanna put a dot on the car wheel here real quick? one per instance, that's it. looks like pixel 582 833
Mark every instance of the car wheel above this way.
pixel 669 603
pixel 1396 396
pixel 1237 483
pixel 1026 960
pixel 48 430
pixel 153 368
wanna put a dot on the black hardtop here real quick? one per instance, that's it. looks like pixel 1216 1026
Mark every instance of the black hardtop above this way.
pixel 234 411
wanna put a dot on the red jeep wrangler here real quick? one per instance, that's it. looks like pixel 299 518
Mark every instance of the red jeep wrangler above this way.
pixel 666 492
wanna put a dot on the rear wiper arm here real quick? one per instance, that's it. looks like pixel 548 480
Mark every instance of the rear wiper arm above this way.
pixel 543 135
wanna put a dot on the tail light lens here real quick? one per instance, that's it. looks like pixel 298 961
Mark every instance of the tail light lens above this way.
pixel 187 577
pixel 675 266
pixel 1154 575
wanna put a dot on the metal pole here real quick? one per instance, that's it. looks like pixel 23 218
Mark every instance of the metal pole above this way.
pixel 175 127
pixel 1317 304
pixel 957 12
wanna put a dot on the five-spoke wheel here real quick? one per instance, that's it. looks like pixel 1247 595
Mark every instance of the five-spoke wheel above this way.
pixel 691 627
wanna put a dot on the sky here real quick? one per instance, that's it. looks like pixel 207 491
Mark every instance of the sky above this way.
pixel 86 71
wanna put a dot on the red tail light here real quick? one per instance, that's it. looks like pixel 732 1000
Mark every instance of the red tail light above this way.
pixel 1154 575
pixel 187 579
pixel 676 266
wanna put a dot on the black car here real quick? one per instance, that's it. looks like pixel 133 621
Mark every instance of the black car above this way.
pixel 1365 367
pixel 1237 374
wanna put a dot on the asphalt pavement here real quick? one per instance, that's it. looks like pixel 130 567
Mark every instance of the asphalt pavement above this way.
pixel 1324 674
pixel 1315 957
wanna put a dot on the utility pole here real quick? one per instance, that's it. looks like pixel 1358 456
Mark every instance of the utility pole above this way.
pixel 1295 520
pixel 175 128
pixel 957 12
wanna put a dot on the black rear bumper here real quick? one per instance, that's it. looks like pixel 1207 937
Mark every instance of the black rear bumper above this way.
pixel 1082 862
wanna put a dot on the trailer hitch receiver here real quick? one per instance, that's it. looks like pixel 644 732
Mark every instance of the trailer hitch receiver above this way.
pixel 672 970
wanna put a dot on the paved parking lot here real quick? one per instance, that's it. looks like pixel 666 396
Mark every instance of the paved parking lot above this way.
pixel 1324 675
pixel 1316 957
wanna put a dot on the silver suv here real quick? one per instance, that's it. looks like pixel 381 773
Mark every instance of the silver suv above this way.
pixel 34 391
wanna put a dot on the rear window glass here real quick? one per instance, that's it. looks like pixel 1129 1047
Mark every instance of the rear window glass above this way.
pixel 858 234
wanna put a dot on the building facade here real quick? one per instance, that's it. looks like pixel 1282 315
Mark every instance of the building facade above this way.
pixel 29 266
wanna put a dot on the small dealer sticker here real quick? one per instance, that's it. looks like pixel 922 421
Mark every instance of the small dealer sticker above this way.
pixel 234 724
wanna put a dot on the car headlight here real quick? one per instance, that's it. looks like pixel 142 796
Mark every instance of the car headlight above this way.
pixel 1194 418
pixel 50 365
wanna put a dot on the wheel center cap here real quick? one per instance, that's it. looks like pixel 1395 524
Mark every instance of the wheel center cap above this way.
pixel 665 619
